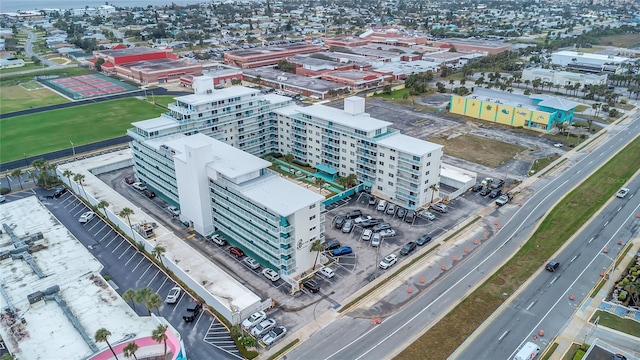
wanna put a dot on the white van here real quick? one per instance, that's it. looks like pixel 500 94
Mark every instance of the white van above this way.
pixel 382 205
pixel 327 272
pixel 528 352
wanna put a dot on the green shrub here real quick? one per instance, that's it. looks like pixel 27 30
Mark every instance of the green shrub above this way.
pixel 634 273
pixel 622 296
pixel 625 281
pixel 4 191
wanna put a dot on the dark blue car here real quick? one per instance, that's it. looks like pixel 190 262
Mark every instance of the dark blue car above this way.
pixel 343 250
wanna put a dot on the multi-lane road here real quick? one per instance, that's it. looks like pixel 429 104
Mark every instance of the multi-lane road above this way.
pixel 354 338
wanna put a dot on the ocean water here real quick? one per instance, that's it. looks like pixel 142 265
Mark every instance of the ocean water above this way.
pixel 15 5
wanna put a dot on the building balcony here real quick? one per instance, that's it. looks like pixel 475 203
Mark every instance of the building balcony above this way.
pixel 287 250
pixel 287 262
pixel 368 147
pixel 367 155
pixel 410 161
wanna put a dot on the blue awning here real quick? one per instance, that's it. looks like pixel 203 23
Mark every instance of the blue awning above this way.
pixel 325 169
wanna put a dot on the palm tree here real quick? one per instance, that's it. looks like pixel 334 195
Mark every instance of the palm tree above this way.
pixel 351 180
pixel 130 295
pixel 41 165
pixel 316 246
pixel 101 336
pixel 126 212
pixel 103 204
pixel 158 251
pixel 7 356
pixel 33 176
pixel 79 178
pixel 142 295
pixel 152 301
pixel 130 350
pixel 17 173
pixel 433 188
pixel 289 158
pixel 160 335
pixel 68 174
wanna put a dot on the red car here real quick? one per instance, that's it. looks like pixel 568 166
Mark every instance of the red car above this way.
pixel 130 179
pixel 235 251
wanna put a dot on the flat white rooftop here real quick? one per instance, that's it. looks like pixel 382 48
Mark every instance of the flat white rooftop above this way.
pixel 47 332
pixel 155 124
pixel 601 57
pixel 361 121
pixel 280 195
pixel 408 144
pixel 222 94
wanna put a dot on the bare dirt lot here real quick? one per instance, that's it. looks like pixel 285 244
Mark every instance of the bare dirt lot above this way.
pixel 478 149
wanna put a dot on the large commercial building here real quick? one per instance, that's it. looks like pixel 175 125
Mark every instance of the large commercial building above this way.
pixel 265 56
pixel 588 62
pixel 563 78
pixel 202 156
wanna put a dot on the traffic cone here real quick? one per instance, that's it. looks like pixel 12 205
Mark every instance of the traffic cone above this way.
pixel 373 320
pixel 455 258
pixel 605 250
pixel 466 249
pixel 541 333
pixel 409 289
pixel 443 267
pixel 619 242
pixel 422 280
pixel 475 241
pixel 571 297
pixel 379 320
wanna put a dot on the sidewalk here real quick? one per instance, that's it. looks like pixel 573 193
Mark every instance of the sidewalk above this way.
pixel 579 329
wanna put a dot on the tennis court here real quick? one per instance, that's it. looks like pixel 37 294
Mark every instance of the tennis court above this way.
pixel 87 86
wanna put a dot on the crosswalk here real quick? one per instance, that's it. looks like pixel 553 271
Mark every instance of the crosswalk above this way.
pixel 218 336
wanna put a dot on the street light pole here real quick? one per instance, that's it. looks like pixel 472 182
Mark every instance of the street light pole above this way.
pixel 73 148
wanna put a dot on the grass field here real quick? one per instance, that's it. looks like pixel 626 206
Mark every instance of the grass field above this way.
pixel 44 132
pixel 16 97
pixel 163 100
pixel 609 320
pixel 14 79
pixel 559 225
pixel 478 149
pixel 622 40
pixel 27 66
pixel 394 95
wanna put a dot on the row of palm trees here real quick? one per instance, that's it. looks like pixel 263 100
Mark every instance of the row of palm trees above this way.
pixel 144 296
pixel 159 334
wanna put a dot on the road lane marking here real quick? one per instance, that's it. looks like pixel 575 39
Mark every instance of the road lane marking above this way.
pixel 620 208
pixel 573 259
pixel 590 240
pixel 605 224
pixel 504 334
pixel 563 295
pixel 530 305
pixel 578 172
pixel 554 280
pixel 590 162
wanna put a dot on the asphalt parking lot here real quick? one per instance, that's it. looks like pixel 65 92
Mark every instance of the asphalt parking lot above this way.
pixel 128 268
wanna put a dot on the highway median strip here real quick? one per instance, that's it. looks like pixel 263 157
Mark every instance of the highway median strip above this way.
pixel 561 223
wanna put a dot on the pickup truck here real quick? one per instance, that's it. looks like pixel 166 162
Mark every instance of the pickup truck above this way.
pixel 192 312
pixel 502 200
pixel 622 193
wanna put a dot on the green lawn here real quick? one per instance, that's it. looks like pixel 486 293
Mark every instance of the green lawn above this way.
pixel 609 320
pixel 27 66
pixel 49 131
pixel 558 226
pixel 17 97
pixel 14 79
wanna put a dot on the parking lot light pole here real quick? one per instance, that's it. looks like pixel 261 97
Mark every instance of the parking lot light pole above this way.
pixel 73 148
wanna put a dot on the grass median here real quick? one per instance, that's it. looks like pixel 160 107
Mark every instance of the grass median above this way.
pixel 561 223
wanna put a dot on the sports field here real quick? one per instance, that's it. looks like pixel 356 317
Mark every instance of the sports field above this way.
pixel 27 95
pixel 40 133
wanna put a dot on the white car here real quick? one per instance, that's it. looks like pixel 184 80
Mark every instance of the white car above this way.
pixel 362 218
pixel 376 239
pixel 274 335
pixel 387 233
pixel 263 327
pixel 255 319
pixel 174 295
pixel 428 215
pixel 622 193
pixel 139 186
pixel 327 272
pixel 173 210
pixel 86 217
pixel 487 181
pixel 251 263
pixel 558 145
pixel 388 261
pixel 2 199
pixel 366 234
pixel 270 274
pixel 382 205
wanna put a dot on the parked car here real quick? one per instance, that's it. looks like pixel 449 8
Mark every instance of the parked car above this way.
pixel 348 226
pixel 361 219
pixel 139 186
pixel 391 209
pixel 342 250
pixel 270 274
pixel 376 239
pixel 263 327
pixel 502 200
pixel 173 210
pixel 411 215
pixel 311 285
pixel 174 295
pixel 422 240
pixel 387 233
pixel 388 261
pixel 382 204
pixel 552 266
pixel 255 319
pixel 427 215
pixel 408 248
pixel 370 223
pixel 251 263
pixel 495 193
pixel 366 234
pixel 498 183
pixel 130 179
pixel 485 191
pixel 477 187
pixel 331 244
pixel 354 214
pixel 372 200
pixel 381 227
pixel 439 207
pixel 274 335
pixel 558 145
pixel 2 199
pixel 236 251
pixel 339 221
pixel 86 217
pixel 401 212
pixel 487 181
pixel 192 311
pixel 217 239
pixel 59 191
pixel 622 193
pixel 148 193
pixel 327 272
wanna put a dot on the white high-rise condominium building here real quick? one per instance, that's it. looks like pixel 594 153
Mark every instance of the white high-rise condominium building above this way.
pixel 270 218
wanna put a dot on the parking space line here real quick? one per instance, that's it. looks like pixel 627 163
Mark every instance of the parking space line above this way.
pixel 161 285
pixel 148 267
pixel 124 252
pixel 140 262
pixel 117 236
pixel 102 228
pixel 131 258
pixel 153 278
pixel 121 242
pixel 199 317
pixel 105 235
pixel 79 212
